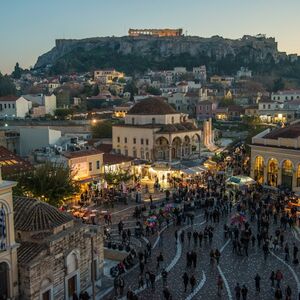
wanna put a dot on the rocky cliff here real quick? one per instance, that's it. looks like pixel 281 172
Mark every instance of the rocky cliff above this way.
pixel 138 53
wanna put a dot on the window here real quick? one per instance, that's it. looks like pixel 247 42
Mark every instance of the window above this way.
pixel 134 140
pixel 125 140
pixel 132 121
pixel 98 164
pixel 269 106
pixel 118 138
pixel 142 154
pixel 126 152
pixel 8 105
pixel 4 105
pixel 172 120
pixel 134 153
pixel 200 107
pixel 142 141
pixel 0 106
pixel 206 107
pixel 90 166
pixel 264 106
pixel 153 120
pixel 13 105
pixel 147 142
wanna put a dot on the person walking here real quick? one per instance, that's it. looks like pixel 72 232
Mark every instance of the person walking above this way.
pixel 167 293
pixel 244 292
pixel 237 290
pixel 141 281
pixel 257 282
pixel 288 293
pixel 287 252
pixel 185 279
pixel 121 283
pixel 164 275
pixel 278 294
pixel 220 284
pixel 278 277
pixel 192 282
pixel 152 281
pixel 272 278
pixel 217 256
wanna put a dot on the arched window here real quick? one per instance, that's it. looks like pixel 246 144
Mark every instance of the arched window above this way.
pixel 272 172
pixel 3 229
pixel 172 120
pixel 287 174
pixel 298 176
pixel 259 169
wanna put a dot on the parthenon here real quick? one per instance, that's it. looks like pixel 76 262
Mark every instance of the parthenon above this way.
pixel 155 32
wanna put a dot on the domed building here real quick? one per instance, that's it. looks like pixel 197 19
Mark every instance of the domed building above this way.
pixel 54 256
pixel 155 131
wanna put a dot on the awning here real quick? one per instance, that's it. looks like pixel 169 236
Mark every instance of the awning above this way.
pixel 188 171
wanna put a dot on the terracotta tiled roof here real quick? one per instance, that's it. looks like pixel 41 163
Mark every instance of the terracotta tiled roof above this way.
pixel 113 159
pixel 152 106
pixel 178 127
pixel 106 148
pixel 11 163
pixel 8 98
pixel 290 132
pixel 81 153
pixel 33 215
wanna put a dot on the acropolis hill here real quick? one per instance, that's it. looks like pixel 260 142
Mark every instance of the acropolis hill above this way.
pixel 157 52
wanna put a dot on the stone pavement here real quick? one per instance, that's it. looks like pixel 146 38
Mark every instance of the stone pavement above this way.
pixel 232 268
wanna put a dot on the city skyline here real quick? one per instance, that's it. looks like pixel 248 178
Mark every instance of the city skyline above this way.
pixel 30 29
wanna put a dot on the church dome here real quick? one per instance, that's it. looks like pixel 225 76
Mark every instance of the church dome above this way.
pixel 152 106
pixel 33 215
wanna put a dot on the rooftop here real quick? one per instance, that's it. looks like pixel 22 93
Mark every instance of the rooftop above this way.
pixel 152 106
pixel 8 98
pixel 33 215
pixel 81 153
pixel 180 127
pixel 114 159
pixel 290 132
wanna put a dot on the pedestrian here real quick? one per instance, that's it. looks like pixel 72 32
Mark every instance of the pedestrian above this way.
pixel 192 282
pixel 257 282
pixel 272 278
pixel 185 278
pixel 182 237
pixel 159 259
pixel 116 285
pixel 176 236
pixel 278 277
pixel 244 292
pixel 288 293
pixel 287 252
pixel 237 290
pixel 141 281
pixel 147 278
pixel 217 255
pixel 220 285
pixel 164 275
pixel 212 257
pixel 295 252
pixel 152 281
pixel 74 296
pixel 167 294
pixel 121 284
pixel 278 294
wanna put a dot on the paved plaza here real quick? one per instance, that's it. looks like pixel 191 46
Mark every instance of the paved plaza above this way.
pixel 232 268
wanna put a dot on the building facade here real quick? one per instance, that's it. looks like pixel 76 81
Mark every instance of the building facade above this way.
pixel 153 130
pixel 275 157
pixel 8 246
pixel 14 107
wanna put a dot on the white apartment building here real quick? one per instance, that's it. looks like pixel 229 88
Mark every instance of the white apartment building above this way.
pixel 12 107
pixel 286 95
pixel 47 101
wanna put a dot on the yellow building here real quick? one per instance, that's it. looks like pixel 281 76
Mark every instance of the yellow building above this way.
pixel 107 76
pixel 86 165
pixel 275 157
pixel 8 245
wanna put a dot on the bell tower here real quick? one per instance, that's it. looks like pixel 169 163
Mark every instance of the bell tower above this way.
pixel 8 245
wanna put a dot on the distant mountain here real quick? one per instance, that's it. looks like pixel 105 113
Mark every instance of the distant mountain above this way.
pixel 135 54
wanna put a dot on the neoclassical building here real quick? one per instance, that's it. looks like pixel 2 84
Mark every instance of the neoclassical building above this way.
pixel 155 131
pixel 275 157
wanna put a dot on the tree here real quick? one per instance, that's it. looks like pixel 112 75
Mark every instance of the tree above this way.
pixel 96 90
pixel 132 89
pixel 153 91
pixel 278 85
pixel 102 129
pixel 7 87
pixel 115 178
pixel 17 71
pixel 49 182
pixel 63 113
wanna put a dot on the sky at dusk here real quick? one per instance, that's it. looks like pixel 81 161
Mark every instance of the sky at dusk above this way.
pixel 28 28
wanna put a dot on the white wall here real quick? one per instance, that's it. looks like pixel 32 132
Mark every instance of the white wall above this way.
pixel 32 138
pixel 50 104
pixel 147 119
pixel 22 107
